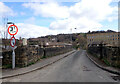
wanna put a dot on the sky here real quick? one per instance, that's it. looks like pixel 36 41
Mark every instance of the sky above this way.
pixel 39 18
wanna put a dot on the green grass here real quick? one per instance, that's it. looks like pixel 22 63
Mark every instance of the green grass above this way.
pixel 31 63
pixel 106 62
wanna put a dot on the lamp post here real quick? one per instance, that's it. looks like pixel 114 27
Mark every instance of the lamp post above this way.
pixel 71 35
pixel 76 32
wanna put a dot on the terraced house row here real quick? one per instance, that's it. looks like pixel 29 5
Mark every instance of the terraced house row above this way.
pixel 106 38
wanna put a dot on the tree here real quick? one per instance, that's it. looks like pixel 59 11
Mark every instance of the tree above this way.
pixel 81 41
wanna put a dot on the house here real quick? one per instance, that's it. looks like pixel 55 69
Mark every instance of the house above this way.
pixel 106 38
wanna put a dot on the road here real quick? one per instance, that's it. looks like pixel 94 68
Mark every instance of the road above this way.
pixel 74 68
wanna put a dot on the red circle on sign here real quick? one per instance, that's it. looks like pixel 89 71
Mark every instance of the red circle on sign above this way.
pixel 16 30
pixel 11 40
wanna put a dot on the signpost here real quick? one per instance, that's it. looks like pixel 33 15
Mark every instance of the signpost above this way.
pixel 12 30
pixel 12 41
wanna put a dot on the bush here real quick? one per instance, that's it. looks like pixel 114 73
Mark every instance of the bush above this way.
pixel 7 66
pixel 31 63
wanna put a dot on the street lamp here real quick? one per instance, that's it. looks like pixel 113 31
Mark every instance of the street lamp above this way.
pixel 10 23
pixel 71 34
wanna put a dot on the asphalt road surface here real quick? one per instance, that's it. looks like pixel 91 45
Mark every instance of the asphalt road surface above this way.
pixel 75 68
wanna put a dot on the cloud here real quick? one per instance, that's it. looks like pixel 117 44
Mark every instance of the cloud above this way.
pixel 82 25
pixel 48 9
pixel 30 20
pixel 87 15
pixel 95 9
pixel 33 31
pixel 30 30
pixel 5 10
pixel 84 15
pixel 114 15
pixel 22 13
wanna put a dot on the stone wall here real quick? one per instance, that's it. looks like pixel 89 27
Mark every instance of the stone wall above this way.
pixel 27 55
pixel 7 57
pixel 111 54
pixel 56 51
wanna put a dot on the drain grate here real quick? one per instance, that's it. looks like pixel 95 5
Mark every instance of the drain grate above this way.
pixel 116 78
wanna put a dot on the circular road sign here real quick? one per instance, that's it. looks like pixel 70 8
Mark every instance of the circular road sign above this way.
pixel 12 41
pixel 12 29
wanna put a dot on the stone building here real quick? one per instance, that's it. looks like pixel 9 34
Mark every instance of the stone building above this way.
pixel 106 38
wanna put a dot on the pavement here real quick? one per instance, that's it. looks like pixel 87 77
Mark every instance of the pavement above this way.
pixel 103 66
pixel 6 73
pixel 75 67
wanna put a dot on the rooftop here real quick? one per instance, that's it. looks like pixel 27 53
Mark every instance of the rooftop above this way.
pixel 102 31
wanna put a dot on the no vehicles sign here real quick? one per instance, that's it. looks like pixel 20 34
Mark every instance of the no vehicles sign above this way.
pixel 12 29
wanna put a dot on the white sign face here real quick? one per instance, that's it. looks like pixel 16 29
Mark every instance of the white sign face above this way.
pixel 12 42
pixel 12 29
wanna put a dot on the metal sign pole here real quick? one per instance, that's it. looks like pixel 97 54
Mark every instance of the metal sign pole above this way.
pixel 13 59
pixel 13 32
